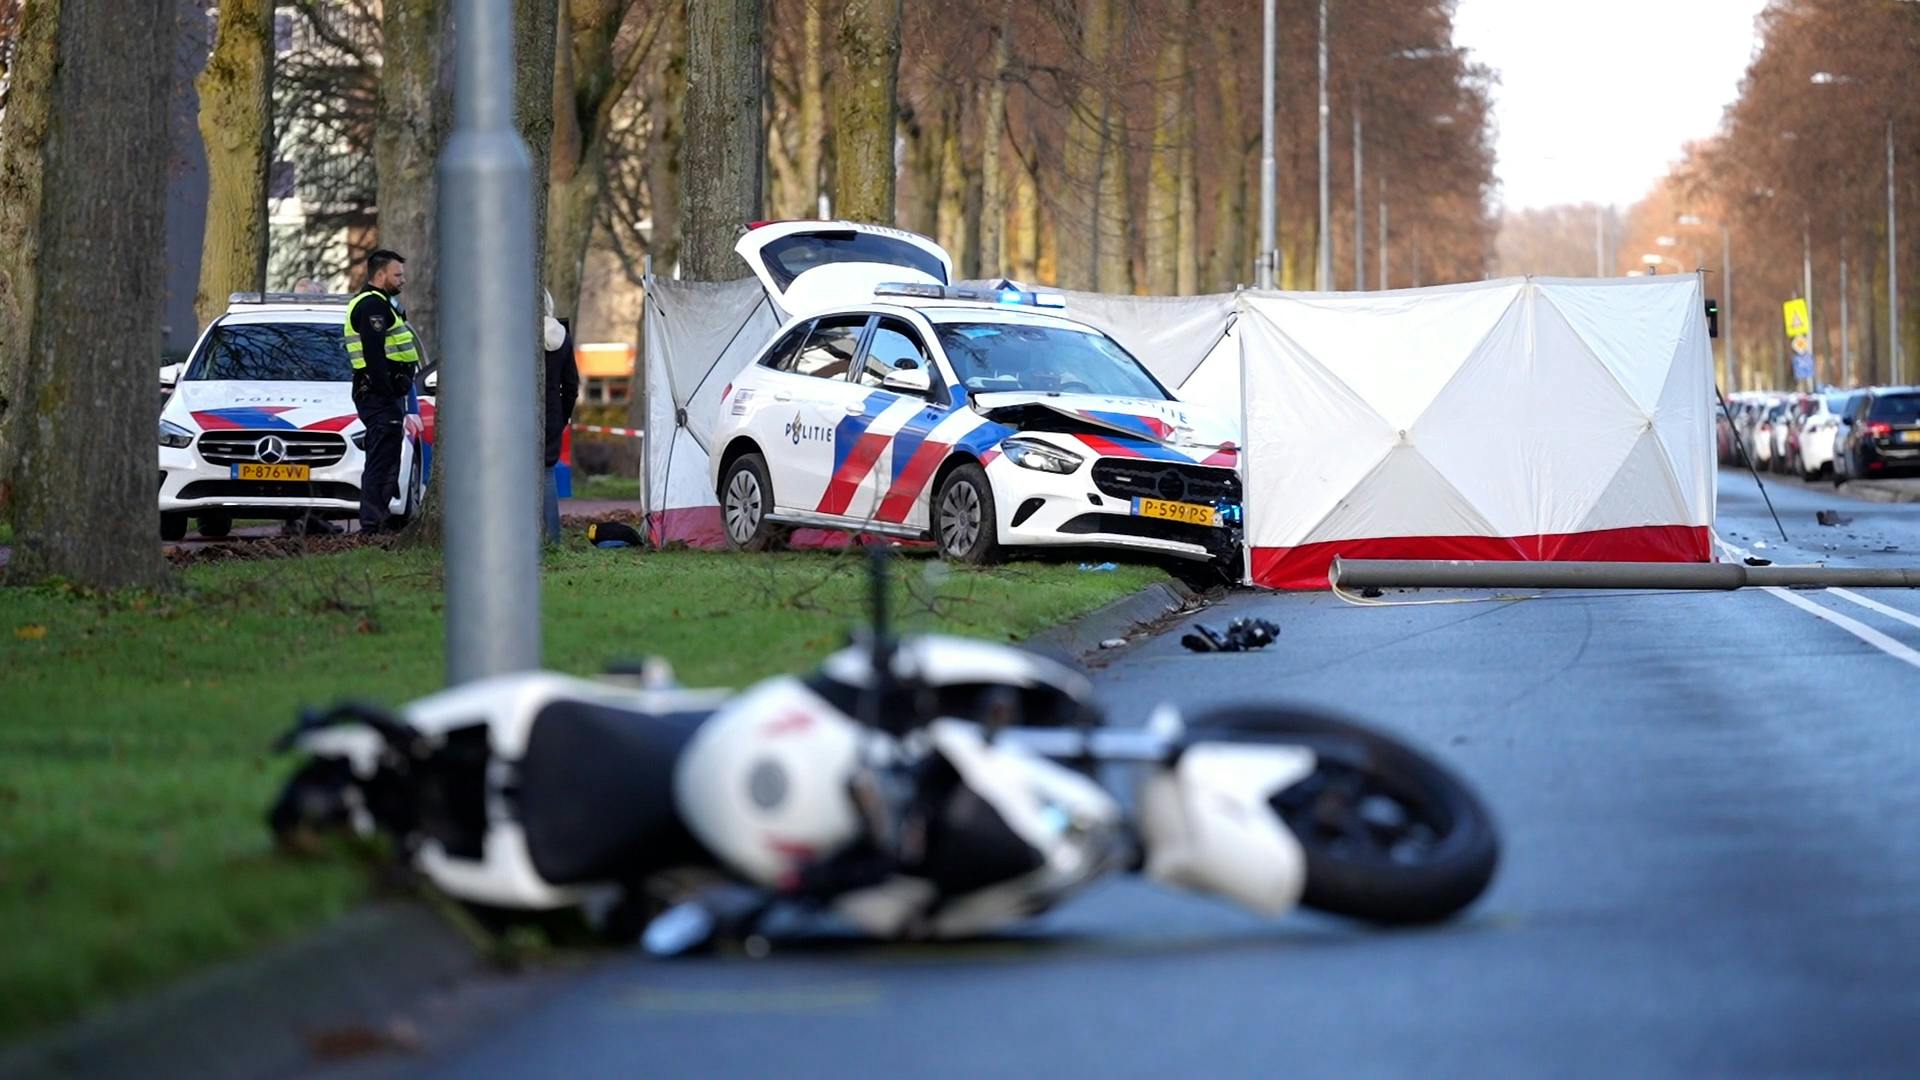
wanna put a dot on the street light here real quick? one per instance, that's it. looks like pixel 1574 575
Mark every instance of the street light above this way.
pixel 1264 276
pixel 1726 289
pixel 1828 78
pixel 1323 272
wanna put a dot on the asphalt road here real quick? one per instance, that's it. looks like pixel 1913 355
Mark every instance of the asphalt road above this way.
pixel 1712 867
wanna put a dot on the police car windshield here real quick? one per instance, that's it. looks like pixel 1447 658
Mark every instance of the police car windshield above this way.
pixel 273 352
pixel 991 357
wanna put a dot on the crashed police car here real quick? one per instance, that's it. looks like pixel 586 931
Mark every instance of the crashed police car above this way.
pixel 894 402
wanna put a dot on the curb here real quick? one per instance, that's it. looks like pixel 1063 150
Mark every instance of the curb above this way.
pixel 277 1010
pixel 1075 639
pixel 1871 491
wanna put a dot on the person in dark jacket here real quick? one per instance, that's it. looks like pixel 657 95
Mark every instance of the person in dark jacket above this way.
pixel 562 391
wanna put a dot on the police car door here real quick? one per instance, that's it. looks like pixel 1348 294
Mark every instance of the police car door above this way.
pixel 806 428
pixel 922 423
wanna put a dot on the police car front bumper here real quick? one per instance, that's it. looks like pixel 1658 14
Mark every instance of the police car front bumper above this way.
pixel 189 483
pixel 1042 509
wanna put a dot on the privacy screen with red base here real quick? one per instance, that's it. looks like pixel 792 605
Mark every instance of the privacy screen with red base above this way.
pixel 1305 567
pixel 1521 419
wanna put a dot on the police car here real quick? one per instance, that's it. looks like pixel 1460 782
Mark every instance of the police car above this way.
pixel 896 403
pixel 260 422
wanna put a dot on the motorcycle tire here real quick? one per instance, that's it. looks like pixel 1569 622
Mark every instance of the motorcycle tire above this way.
pixel 1390 835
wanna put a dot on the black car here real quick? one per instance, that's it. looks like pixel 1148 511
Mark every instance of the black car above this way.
pixel 1882 437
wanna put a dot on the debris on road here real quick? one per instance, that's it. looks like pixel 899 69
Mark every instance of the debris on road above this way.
pixel 1833 517
pixel 1755 560
pixel 1242 634
pixel 1113 643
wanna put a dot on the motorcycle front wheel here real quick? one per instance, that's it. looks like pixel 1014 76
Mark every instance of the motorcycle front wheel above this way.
pixel 1390 835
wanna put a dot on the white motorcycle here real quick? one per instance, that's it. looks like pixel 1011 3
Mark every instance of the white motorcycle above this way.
pixel 956 792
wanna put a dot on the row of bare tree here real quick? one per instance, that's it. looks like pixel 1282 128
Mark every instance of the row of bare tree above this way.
pixel 1797 176
pixel 1109 144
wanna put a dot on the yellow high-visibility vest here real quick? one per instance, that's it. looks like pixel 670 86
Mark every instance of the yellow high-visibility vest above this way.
pixel 401 348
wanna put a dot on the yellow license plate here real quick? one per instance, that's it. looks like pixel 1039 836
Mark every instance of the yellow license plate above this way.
pixel 1188 513
pixel 1910 436
pixel 271 472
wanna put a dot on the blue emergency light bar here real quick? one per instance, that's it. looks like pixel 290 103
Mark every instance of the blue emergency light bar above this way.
pixel 1011 297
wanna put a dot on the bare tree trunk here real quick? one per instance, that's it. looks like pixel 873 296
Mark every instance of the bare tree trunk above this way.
pixel 1230 206
pixel 233 125
pixel 669 125
pixel 813 108
pixel 588 83
pixel 724 139
pixel 23 136
pixel 864 99
pixel 917 196
pixel 83 497
pixel 415 103
pixel 1163 174
pixel 1023 245
pixel 1078 208
pixel 1115 263
pixel 993 129
pixel 1187 261
pixel 536 40
pixel 951 223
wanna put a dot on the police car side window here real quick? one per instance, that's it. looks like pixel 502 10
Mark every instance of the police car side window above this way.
pixel 780 357
pixel 829 349
pixel 894 346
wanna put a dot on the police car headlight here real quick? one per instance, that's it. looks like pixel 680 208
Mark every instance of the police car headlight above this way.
pixel 174 435
pixel 360 439
pixel 1029 454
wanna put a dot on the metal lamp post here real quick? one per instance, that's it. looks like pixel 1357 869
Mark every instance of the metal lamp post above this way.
pixel 492 536
pixel 1264 274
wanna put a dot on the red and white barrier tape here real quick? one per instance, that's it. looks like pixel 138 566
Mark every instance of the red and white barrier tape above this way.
pixel 627 432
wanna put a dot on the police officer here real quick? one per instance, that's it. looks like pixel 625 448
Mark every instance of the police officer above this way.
pixel 384 355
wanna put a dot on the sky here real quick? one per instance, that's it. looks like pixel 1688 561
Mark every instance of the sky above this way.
pixel 1596 97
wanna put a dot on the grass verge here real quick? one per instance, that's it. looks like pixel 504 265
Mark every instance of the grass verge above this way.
pixel 134 771
pixel 605 486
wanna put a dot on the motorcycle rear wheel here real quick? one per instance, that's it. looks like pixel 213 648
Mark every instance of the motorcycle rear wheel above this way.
pixel 1390 835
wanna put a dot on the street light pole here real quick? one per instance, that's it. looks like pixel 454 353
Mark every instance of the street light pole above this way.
pixel 1323 274
pixel 1264 275
pixel 1359 209
pixel 1806 291
pixel 1846 348
pixel 1893 267
pixel 1599 242
pixel 1383 233
pixel 1726 307
pixel 492 537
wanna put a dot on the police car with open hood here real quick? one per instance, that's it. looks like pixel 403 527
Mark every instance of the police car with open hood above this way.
pixel 894 402
pixel 261 423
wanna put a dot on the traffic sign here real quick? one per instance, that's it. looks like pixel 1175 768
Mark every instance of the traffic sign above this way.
pixel 1798 321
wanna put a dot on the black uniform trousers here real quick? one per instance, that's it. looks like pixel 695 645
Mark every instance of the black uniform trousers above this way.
pixel 384 416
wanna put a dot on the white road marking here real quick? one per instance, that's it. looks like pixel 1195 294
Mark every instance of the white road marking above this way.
pixel 1852 626
pixel 1874 605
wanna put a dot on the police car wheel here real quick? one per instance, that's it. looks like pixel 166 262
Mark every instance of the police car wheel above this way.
pixel 964 524
pixel 746 497
pixel 173 527
pixel 214 526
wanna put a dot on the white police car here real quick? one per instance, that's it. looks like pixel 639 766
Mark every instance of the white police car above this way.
pixel 261 422
pixel 894 403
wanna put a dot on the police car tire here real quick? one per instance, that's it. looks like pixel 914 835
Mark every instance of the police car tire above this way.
pixel 985 547
pixel 765 536
pixel 173 527
pixel 214 526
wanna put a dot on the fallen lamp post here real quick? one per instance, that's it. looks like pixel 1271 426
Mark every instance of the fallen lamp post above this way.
pixel 1467 574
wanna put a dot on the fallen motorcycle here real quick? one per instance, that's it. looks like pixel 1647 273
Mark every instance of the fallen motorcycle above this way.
pixel 930 787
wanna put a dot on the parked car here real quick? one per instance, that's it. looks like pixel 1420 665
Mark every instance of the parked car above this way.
pixel 1819 431
pixel 261 423
pixel 1882 438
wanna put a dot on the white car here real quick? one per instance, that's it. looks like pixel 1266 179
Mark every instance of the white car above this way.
pixel 894 403
pixel 261 422
pixel 1819 432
